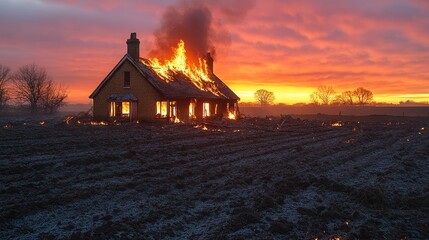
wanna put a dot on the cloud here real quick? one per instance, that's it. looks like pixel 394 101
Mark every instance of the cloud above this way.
pixel 382 45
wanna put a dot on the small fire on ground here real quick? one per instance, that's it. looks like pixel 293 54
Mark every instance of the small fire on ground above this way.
pixel 231 116
pixel 337 124
pixel 204 128
pixel 72 120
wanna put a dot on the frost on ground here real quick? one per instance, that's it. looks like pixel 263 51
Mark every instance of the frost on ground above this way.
pixel 253 179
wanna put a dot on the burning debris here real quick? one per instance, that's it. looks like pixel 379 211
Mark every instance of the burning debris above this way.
pixel 202 127
pixel 421 131
pixel 337 124
pixel 76 120
pixel 68 120
pixel 84 118
pixel 176 120
pixel 232 116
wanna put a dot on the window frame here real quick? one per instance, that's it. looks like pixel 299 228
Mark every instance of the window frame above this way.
pixel 125 105
pixel 192 106
pixel 158 107
pixel 206 110
pixel 127 79
pixel 118 109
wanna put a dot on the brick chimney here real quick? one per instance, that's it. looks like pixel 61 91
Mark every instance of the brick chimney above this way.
pixel 133 47
pixel 209 61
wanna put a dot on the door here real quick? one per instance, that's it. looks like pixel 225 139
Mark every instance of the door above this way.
pixel 133 112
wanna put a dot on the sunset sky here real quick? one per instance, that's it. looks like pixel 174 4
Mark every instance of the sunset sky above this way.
pixel 288 47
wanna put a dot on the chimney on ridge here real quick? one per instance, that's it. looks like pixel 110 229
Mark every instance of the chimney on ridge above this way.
pixel 209 61
pixel 133 47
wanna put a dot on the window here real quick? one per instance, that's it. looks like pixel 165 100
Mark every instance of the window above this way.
pixel 206 110
pixel 112 109
pixel 192 109
pixel 125 109
pixel 127 80
pixel 119 109
pixel 161 109
pixel 173 109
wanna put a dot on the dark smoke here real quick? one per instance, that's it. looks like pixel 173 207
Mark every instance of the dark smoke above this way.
pixel 193 22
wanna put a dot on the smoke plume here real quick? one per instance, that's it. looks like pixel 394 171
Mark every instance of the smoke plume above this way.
pixel 200 24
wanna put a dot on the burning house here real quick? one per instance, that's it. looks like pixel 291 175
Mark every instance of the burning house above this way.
pixel 151 90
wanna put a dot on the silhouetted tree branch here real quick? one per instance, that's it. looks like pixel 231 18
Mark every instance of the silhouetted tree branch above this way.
pixel 363 96
pixel 323 95
pixel 264 97
pixel 4 78
pixel 346 98
pixel 53 97
pixel 33 87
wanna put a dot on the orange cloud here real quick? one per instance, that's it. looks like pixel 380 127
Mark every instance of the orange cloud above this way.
pixel 288 47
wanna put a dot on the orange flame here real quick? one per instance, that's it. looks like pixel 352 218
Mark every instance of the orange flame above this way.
pixel 179 64
pixel 68 120
pixel 98 123
pixel 231 116
pixel 337 124
pixel 177 120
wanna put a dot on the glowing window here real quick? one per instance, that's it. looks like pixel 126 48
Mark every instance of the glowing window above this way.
pixel 173 109
pixel 112 109
pixel 161 109
pixel 125 109
pixel 206 109
pixel 192 109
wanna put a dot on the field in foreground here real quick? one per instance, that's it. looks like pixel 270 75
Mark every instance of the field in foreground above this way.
pixel 255 179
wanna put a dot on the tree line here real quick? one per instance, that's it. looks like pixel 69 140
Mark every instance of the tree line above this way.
pixel 325 95
pixel 31 86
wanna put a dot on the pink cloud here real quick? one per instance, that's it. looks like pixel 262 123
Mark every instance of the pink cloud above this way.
pixel 345 43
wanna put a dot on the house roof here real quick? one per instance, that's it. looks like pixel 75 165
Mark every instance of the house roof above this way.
pixel 120 97
pixel 180 86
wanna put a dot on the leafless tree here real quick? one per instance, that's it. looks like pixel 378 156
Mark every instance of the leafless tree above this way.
pixel 53 97
pixel 363 96
pixel 33 87
pixel 346 98
pixel 323 95
pixel 314 99
pixel 264 97
pixel 4 78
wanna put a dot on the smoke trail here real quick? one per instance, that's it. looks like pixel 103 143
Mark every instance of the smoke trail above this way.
pixel 193 22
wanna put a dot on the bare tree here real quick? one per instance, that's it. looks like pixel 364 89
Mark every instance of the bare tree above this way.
pixel 363 96
pixel 4 78
pixel 314 99
pixel 346 98
pixel 53 97
pixel 33 87
pixel 264 97
pixel 30 81
pixel 323 95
